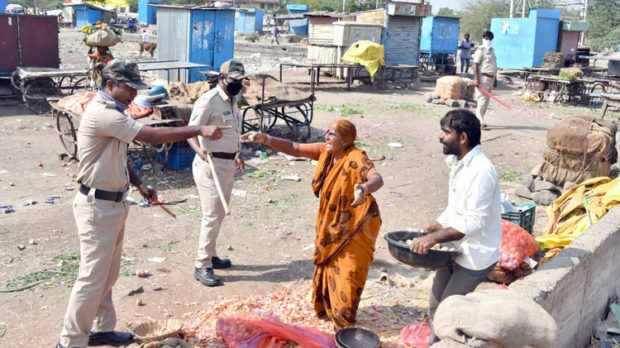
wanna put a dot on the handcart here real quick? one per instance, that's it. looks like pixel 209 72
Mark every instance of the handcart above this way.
pixel 282 104
pixel 37 84
pixel 67 123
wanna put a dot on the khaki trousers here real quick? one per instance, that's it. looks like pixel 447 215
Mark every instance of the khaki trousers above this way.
pixel 101 228
pixel 212 209
pixel 482 100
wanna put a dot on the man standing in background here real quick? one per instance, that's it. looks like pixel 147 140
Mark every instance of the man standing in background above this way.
pixel 485 71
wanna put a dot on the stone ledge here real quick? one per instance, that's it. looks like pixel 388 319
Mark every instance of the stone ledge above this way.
pixel 575 285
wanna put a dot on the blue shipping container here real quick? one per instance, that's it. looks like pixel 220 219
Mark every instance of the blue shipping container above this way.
pixel 298 26
pixel 85 14
pixel 249 21
pixel 439 35
pixel 523 42
pixel 146 12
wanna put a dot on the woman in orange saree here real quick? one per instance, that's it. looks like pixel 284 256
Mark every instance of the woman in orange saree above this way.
pixel 347 222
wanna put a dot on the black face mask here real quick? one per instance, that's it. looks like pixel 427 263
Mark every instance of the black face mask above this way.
pixel 233 88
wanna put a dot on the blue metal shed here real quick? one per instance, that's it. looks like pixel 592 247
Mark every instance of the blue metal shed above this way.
pixel 3 4
pixel 440 35
pixel 298 26
pixel 522 42
pixel 85 14
pixel 249 21
pixel 195 34
pixel 147 12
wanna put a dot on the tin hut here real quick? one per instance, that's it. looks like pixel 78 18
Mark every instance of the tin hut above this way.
pixel 147 13
pixel 86 13
pixel 3 4
pixel 195 34
pixel 401 35
pixel 439 39
pixel 523 42
pixel 568 39
pixel 249 21
pixel 298 26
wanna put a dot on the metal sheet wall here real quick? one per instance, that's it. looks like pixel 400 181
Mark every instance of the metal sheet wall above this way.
pixel 401 38
pixel 28 41
pixel 173 39
pixel 546 38
pixel 439 35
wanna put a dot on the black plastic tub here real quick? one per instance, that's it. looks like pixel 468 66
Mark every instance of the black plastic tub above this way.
pixel 356 337
pixel 401 252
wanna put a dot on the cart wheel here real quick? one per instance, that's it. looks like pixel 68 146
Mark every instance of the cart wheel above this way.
pixel 577 92
pixel 256 120
pixel 36 92
pixel 66 132
pixel 80 85
pixel 16 81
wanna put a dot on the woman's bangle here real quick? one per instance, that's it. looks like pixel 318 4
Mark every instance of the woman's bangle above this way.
pixel 268 139
pixel 364 189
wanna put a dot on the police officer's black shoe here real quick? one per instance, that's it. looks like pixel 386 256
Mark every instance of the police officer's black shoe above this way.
pixel 207 277
pixel 220 263
pixel 110 338
pixel 59 345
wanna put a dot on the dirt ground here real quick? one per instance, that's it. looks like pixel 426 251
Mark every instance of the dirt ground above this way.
pixel 269 234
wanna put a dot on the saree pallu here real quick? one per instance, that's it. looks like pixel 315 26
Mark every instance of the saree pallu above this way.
pixel 345 238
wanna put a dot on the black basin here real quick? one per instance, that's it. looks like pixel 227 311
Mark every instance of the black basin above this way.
pixel 356 337
pixel 401 252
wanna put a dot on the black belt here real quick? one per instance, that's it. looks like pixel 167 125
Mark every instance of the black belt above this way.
pixel 224 155
pixel 105 195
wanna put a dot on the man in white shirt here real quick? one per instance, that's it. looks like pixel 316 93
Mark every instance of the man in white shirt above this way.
pixel 472 219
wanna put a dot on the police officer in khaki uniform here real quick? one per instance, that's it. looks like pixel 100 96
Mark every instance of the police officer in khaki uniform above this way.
pixel 100 208
pixel 216 107
pixel 485 72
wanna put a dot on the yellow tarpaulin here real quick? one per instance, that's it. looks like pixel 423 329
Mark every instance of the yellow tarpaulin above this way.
pixel 567 214
pixel 367 53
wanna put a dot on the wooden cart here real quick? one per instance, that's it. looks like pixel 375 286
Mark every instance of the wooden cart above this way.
pixel 37 84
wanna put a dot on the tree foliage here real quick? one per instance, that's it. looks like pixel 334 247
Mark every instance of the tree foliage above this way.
pixel 604 18
pixel 446 12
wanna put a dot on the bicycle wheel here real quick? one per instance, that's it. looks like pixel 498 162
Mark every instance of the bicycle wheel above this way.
pixel 66 132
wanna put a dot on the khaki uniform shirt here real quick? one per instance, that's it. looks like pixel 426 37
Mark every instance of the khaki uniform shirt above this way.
pixel 216 108
pixel 485 58
pixel 103 138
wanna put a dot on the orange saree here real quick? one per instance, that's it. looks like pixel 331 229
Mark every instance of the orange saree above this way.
pixel 345 237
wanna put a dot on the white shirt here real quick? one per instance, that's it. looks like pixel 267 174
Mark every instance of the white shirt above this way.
pixel 216 108
pixel 474 209
pixel 146 37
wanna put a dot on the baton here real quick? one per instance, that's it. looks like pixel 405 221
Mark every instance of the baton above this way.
pixel 159 204
pixel 492 96
pixel 217 184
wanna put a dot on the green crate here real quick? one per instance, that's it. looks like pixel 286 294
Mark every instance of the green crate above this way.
pixel 524 216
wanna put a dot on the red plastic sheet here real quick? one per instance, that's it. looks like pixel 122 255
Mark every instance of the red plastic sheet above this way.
pixel 255 330
pixel 416 336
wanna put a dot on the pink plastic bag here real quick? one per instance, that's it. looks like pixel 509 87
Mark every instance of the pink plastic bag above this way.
pixel 416 336
pixel 255 330
pixel 517 244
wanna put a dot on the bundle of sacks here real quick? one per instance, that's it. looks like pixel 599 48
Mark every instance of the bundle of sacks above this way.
pixel 578 148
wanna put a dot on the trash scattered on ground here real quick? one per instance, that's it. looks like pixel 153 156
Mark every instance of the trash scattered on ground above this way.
pixel 307 247
pixel 395 145
pixel 29 202
pixel 143 273
pixel 4 171
pixel 147 166
pixel 294 177
pixel 139 302
pixel 48 174
pixel 11 183
pixel 7 209
pixel 51 199
pixel 143 202
pixel 21 247
pixel 69 188
pixel 239 193
pixel 157 259
pixel 138 290
pixel 229 248
pixel 32 242
pixel 192 196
